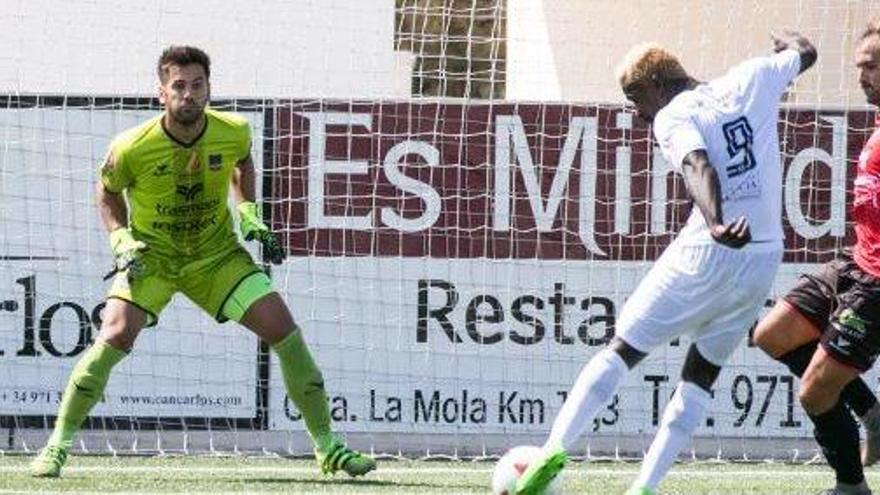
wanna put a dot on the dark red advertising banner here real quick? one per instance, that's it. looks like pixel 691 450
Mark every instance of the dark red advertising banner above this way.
pixel 526 181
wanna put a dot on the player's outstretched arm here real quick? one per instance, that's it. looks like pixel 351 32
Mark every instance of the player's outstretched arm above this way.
pixel 703 184
pixel 793 39
pixel 250 217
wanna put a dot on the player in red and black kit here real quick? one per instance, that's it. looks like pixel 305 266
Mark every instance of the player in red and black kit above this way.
pixel 827 328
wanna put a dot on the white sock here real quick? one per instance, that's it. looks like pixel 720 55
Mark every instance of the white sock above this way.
pixel 682 416
pixel 593 389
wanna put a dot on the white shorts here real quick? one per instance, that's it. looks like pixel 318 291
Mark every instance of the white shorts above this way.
pixel 710 292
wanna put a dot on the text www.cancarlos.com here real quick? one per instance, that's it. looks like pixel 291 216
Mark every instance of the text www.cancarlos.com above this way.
pixel 182 400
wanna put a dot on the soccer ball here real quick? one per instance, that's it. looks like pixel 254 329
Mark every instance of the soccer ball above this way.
pixel 512 465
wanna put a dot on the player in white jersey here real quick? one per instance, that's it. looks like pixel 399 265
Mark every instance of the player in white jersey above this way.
pixel 711 282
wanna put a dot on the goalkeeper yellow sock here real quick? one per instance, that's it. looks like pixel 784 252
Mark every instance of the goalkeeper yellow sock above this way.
pixel 305 386
pixel 84 389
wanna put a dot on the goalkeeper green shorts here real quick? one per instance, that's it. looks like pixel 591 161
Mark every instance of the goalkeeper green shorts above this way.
pixel 223 284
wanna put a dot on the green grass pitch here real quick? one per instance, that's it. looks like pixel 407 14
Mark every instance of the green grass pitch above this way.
pixel 248 474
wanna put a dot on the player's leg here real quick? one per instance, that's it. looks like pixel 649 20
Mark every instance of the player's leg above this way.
pixel 744 278
pixel 849 346
pixel 594 387
pixel 714 342
pixel 783 330
pixel 596 384
pixel 237 290
pixel 269 318
pixel 131 305
pixel 790 334
pixel 659 308
pixel 836 432
pixel 657 311
pixel 684 412
pixel 120 326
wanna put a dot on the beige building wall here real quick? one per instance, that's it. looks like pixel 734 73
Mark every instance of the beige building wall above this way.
pixel 567 50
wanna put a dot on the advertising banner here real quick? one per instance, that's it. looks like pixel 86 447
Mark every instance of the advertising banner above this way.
pixel 454 266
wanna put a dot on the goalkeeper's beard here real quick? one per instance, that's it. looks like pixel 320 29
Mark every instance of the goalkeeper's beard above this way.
pixel 187 116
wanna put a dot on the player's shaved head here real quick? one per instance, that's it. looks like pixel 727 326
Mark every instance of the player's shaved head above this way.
pixel 649 62
pixel 182 55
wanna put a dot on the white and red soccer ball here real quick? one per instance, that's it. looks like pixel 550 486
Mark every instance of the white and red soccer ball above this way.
pixel 512 465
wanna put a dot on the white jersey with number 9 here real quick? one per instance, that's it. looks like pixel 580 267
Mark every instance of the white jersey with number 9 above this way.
pixel 734 118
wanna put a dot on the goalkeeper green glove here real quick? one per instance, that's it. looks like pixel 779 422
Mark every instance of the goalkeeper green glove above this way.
pixel 127 253
pixel 252 227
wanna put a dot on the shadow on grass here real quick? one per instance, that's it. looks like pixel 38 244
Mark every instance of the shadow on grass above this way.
pixel 354 482
pixel 75 482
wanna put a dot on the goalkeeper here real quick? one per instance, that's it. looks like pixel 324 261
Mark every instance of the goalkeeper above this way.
pixel 163 195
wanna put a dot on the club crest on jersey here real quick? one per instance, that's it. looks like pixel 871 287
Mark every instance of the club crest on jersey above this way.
pixel 189 193
pixel 215 162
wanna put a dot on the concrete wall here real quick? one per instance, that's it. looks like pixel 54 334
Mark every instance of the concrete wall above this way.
pixel 567 50
pixel 302 48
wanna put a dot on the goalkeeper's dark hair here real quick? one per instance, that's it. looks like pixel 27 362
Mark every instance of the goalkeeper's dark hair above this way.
pixel 182 55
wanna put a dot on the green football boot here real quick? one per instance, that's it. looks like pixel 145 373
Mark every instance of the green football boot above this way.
pixel 338 457
pixel 541 472
pixel 640 491
pixel 49 462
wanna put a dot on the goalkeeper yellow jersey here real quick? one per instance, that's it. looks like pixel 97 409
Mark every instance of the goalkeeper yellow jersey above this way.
pixel 178 193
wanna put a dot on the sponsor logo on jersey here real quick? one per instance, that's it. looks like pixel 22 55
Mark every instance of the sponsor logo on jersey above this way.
pixel 849 319
pixel 189 193
pixel 187 209
pixel 841 344
pixel 850 328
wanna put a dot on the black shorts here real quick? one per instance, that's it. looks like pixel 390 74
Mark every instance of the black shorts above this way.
pixel 843 303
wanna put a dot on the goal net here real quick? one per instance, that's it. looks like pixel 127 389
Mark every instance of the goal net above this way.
pixel 464 198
